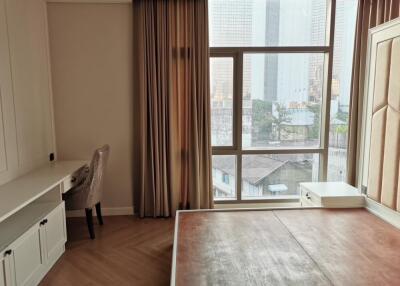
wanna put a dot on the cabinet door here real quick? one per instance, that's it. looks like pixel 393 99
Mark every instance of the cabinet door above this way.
pixel 2 273
pixel 55 233
pixel 28 262
pixel 5 272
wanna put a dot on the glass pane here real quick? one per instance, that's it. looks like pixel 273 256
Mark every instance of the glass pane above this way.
pixel 221 81
pixel 282 96
pixel 346 12
pixel 244 23
pixel 277 176
pixel 224 176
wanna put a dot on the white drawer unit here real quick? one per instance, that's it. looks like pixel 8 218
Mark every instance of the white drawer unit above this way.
pixel 330 195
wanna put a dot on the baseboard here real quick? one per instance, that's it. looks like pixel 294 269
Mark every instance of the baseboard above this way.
pixel 385 213
pixel 104 211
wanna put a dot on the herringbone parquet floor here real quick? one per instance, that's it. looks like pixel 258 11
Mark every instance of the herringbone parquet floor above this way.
pixel 127 251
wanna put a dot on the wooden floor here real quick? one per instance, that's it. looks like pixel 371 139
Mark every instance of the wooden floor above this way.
pixel 287 247
pixel 126 251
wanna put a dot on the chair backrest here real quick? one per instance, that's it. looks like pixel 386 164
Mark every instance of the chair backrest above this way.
pixel 94 180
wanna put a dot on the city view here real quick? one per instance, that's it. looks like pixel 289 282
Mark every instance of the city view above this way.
pixel 282 93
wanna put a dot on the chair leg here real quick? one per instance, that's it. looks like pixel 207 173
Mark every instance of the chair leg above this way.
pixel 89 220
pixel 98 212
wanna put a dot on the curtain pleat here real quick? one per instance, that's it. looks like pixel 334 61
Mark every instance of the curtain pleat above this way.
pixel 370 14
pixel 173 76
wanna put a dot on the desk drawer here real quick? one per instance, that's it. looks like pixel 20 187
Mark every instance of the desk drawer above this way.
pixel 68 183
pixel 308 199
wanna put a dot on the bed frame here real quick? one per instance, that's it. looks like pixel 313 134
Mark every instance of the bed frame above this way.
pixel 362 246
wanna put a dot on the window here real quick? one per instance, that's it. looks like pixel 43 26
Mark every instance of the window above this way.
pixel 282 96
pixel 280 85
pixel 264 23
pixel 224 166
pixel 221 74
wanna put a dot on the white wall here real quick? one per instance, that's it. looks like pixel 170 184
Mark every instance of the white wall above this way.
pixel 91 61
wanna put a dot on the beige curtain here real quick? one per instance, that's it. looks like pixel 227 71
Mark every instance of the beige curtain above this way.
pixel 370 14
pixel 171 50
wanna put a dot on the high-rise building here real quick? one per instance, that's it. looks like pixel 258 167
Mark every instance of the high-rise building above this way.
pixel 272 14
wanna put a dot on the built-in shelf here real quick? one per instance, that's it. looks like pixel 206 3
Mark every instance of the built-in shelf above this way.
pixel 17 224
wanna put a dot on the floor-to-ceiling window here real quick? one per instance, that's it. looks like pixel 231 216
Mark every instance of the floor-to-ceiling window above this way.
pixel 280 73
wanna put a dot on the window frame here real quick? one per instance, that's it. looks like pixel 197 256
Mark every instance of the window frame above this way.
pixel 237 53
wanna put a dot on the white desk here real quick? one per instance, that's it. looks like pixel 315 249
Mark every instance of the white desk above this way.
pixel 32 222
pixel 20 192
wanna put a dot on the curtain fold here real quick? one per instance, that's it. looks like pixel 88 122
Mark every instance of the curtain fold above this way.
pixel 370 14
pixel 172 56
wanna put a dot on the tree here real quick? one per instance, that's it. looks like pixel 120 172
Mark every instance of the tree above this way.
pixel 316 110
pixel 282 116
pixel 261 118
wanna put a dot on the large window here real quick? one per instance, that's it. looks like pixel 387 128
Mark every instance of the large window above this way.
pixel 280 83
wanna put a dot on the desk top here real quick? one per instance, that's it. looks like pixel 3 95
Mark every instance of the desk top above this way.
pixel 23 190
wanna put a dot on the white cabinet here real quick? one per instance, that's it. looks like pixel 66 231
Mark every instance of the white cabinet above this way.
pixel 330 195
pixel 32 223
pixel 26 260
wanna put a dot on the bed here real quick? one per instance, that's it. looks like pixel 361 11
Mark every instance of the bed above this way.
pixel 285 247
pixel 313 246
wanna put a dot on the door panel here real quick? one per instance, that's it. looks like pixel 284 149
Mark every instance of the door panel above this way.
pixel 8 140
pixel 2 272
pixel 55 231
pixel 5 271
pixel 27 257
pixel 28 45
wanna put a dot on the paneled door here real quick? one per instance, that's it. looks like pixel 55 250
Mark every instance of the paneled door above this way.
pixel 8 143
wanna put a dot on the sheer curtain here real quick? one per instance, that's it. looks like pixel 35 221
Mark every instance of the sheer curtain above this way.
pixel 370 14
pixel 171 50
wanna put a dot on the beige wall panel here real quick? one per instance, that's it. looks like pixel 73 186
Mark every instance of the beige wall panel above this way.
pixel 27 31
pixel 91 59
pixel 5 81
pixel 394 79
pixel 382 74
pixel 398 188
pixel 376 158
pixel 391 159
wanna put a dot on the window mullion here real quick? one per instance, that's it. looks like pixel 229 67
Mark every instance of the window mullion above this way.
pixel 327 93
pixel 238 120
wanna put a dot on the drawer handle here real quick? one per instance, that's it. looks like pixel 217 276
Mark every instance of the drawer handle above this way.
pixel 8 252
pixel 43 222
pixel 308 196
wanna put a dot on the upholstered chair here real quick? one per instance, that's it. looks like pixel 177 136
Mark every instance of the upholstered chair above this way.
pixel 89 188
